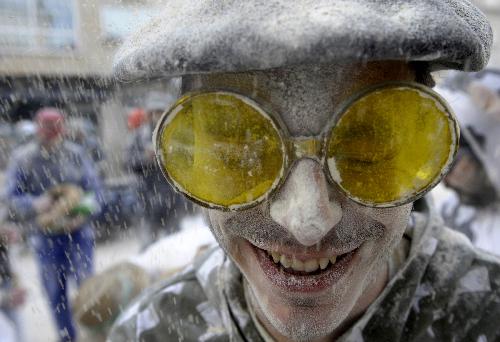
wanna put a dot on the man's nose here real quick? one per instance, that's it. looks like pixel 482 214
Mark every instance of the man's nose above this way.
pixel 302 205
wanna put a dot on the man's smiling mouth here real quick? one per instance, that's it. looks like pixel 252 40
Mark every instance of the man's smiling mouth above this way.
pixel 299 273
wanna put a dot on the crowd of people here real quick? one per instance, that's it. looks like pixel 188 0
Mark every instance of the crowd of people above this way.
pixel 53 192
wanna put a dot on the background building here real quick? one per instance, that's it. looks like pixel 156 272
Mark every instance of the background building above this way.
pixel 60 53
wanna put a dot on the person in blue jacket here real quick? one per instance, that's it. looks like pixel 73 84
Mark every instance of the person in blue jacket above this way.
pixel 54 188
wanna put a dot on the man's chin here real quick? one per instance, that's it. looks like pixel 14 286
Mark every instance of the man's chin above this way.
pixel 299 319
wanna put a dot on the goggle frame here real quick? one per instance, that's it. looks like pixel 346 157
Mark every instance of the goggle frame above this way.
pixel 313 147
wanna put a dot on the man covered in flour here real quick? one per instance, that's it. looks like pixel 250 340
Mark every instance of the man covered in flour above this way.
pixel 308 130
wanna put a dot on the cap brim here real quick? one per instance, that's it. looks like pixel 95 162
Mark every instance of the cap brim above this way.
pixel 206 36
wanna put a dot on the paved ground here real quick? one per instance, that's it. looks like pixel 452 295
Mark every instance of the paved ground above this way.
pixel 35 316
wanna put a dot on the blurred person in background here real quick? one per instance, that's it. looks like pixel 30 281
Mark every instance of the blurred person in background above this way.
pixel 81 131
pixel 470 202
pixel 163 207
pixel 136 118
pixel 53 187
pixel 12 294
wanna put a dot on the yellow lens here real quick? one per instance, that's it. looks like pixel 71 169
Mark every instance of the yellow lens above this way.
pixel 221 150
pixel 390 145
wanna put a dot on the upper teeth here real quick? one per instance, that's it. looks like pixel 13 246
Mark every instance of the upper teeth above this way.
pixel 308 265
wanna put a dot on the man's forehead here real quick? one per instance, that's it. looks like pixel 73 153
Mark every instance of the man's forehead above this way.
pixel 305 97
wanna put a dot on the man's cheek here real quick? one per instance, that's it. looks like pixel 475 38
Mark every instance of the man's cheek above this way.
pixel 216 228
pixel 224 235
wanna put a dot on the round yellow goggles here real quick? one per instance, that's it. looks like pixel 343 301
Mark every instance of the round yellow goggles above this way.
pixel 386 146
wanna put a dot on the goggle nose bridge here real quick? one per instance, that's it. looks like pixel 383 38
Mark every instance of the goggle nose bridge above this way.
pixel 305 147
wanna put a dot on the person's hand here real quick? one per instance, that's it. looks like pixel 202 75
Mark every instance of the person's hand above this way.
pixel 15 297
pixel 42 203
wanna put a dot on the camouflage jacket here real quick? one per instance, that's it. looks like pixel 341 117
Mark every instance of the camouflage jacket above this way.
pixel 445 291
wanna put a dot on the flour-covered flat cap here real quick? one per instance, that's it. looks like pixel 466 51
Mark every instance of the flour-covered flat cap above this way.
pixel 206 36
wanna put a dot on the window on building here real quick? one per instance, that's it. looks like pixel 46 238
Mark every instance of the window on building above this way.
pixel 33 26
pixel 117 22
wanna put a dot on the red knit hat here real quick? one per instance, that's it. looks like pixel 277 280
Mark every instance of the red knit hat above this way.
pixel 136 118
pixel 50 122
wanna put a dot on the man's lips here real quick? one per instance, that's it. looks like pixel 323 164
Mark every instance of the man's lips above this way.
pixel 304 273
